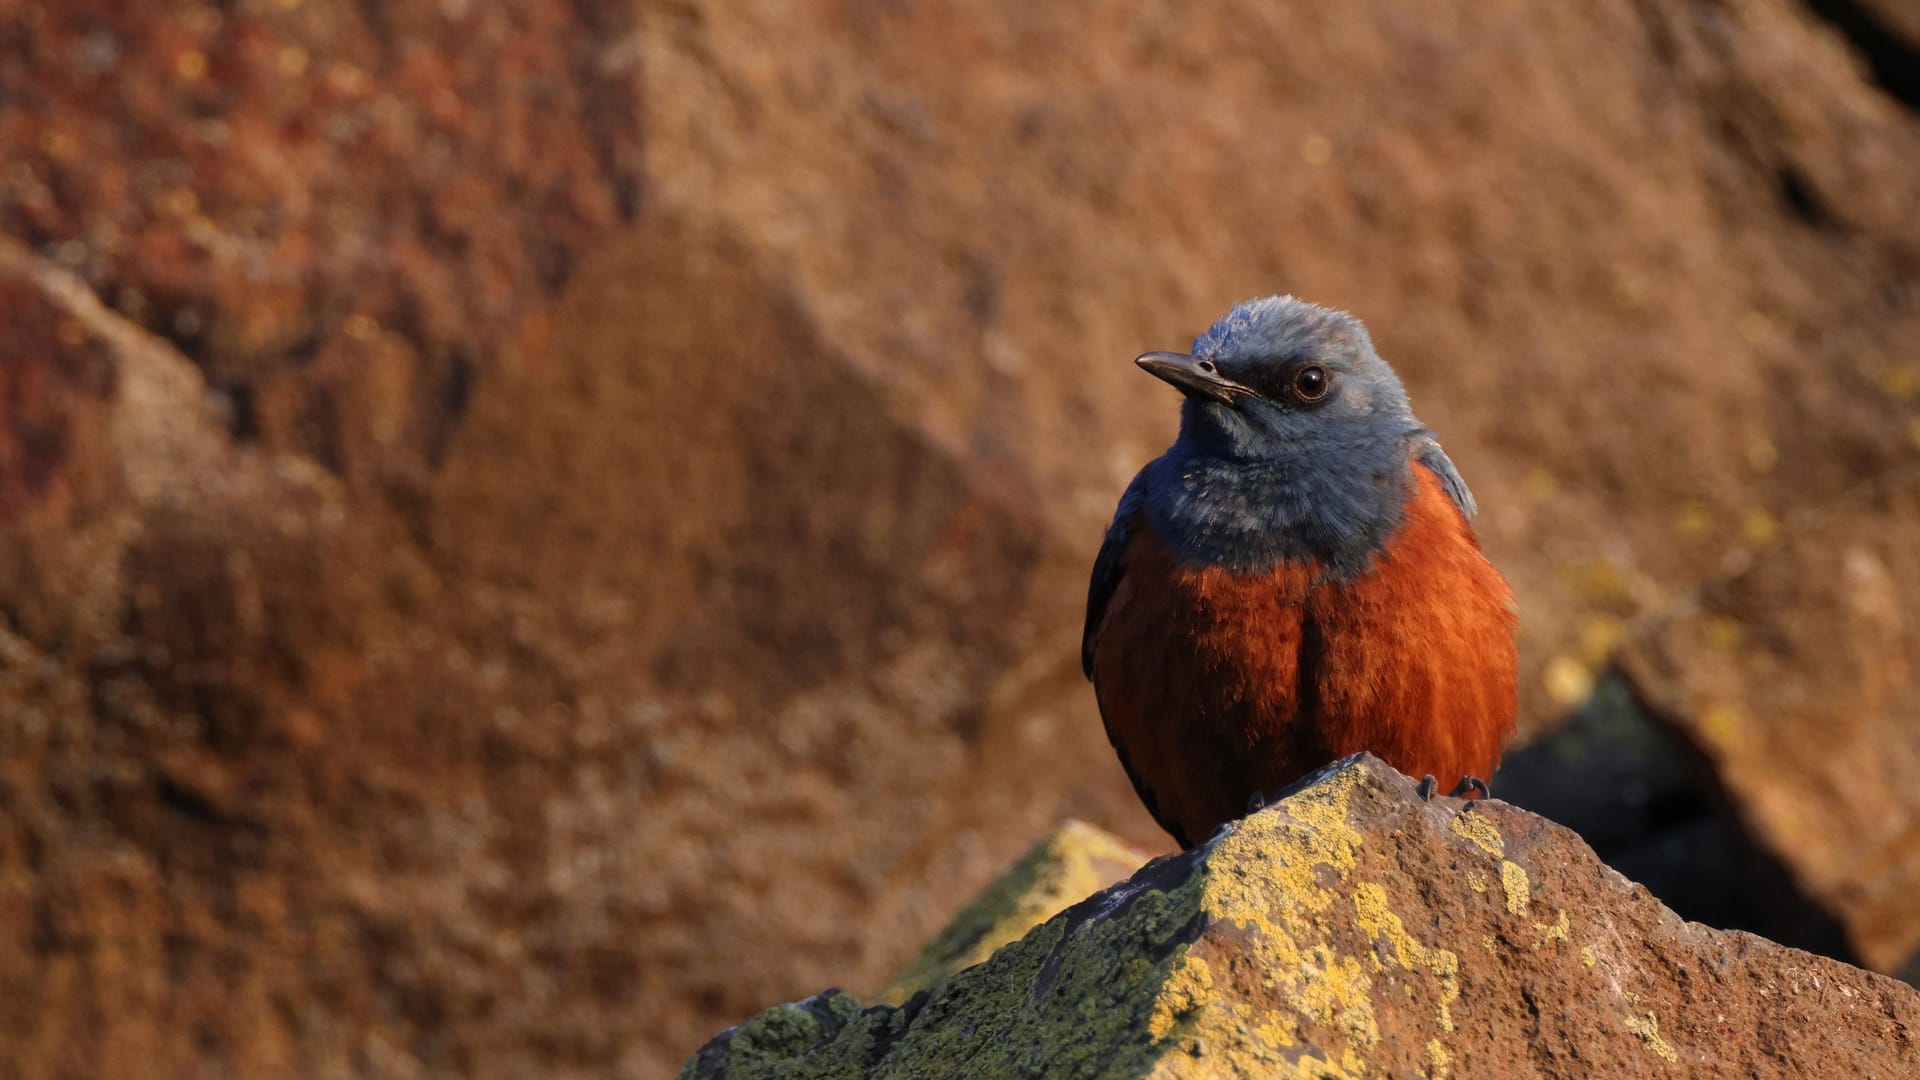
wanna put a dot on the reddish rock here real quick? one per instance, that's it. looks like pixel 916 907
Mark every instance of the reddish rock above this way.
pixel 52 388
pixel 338 212
pixel 1791 681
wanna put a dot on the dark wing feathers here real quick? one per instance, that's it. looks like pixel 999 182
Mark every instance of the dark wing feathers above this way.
pixel 1110 565
pixel 1108 568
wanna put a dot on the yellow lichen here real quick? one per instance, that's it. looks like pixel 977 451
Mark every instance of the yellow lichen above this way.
pixel 1587 957
pixel 1446 965
pixel 1437 1060
pixel 1513 880
pixel 1475 827
pixel 1476 881
pixel 1376 918
pixel 1561 929
pixel 1339 997
pixel 1313 1068
pixel 1275 1029
pixel 1281 905
pixel 1189 987
pixel 1647 1026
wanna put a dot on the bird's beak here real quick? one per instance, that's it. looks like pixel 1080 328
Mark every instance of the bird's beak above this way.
pixel 1193 376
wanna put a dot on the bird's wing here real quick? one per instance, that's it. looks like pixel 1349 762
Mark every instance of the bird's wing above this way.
pixel 1426 450
pixel 1108 568
pixel 1110 565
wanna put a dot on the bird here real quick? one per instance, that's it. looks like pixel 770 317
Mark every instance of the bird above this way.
pixel 1296 579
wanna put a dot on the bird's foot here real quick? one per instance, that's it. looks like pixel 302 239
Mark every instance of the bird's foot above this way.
pixel 1427 788
pixel 1256 802
pixel 1468 785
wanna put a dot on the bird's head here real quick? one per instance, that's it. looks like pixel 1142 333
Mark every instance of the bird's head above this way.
pixel 1281 378
pixel 1296 441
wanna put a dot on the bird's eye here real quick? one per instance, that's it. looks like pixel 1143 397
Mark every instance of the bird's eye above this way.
pixel 1311 383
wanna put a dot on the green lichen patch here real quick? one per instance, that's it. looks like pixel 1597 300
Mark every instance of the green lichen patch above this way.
pixel 826 1037
pixel 1076 997
pixel 1065 867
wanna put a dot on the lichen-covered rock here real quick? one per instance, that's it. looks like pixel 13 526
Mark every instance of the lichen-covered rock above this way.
pixel 1355 930
pixel 1065 867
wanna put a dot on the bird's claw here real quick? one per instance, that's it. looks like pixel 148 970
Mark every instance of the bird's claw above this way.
pixel 1465 789
pixel 1468 785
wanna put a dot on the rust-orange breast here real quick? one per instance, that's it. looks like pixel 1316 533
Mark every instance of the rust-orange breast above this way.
pixel 1216 685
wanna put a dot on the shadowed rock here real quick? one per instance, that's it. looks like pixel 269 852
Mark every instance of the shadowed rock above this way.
pixel 1352 930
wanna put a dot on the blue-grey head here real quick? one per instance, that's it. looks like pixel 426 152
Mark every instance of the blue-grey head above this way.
pixel 1296 440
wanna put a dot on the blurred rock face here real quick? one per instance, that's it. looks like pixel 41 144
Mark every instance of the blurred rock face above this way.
pixel 1793 680
pixel 573 525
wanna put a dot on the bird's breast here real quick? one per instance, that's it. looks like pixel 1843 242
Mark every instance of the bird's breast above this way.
pixel 1218 683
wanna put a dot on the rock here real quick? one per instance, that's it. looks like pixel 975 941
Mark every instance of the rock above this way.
pixel 1790 682
pixel 630 470
pixel 1355 930
pixel 339 215
pixel 1887 35
pixel 1705 201
pixel 1063 868
pixel 102 423
pixel 1620 777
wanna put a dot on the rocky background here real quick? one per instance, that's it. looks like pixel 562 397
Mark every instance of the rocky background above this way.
pixel 530 531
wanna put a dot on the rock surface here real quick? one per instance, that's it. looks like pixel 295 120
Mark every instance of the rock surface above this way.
pixel 1792 681
pixel 1632 787
pixel 1064 868
pixel 1354 930
pixel 626 472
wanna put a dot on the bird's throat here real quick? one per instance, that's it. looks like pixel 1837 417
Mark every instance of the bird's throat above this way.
pixel 1336 507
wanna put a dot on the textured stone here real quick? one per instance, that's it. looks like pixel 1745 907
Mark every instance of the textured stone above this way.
pixel 1356 930
pixel 1791 681
pixel 338 212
